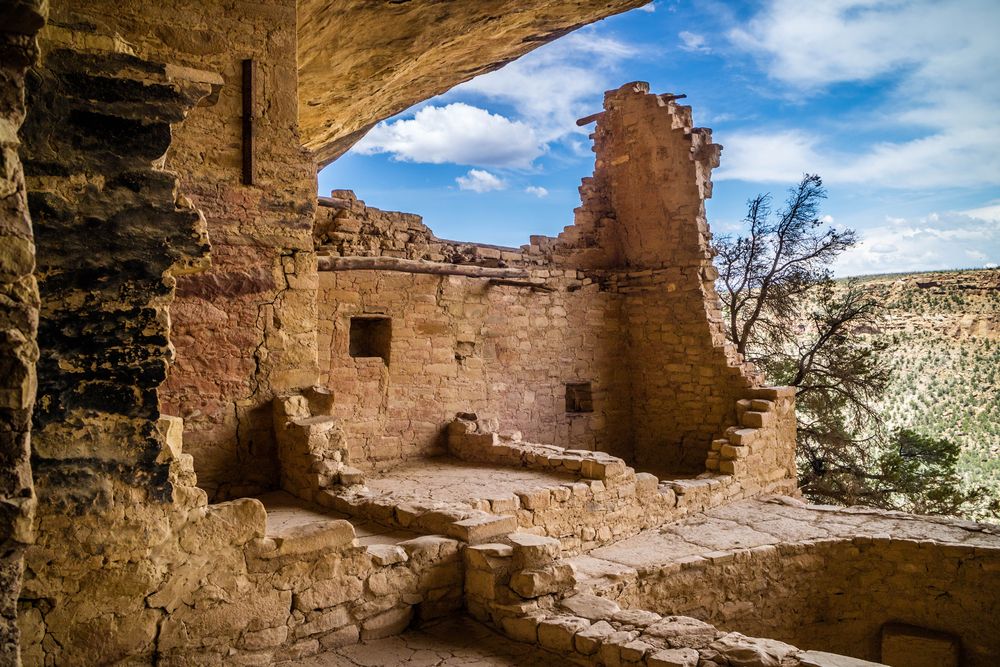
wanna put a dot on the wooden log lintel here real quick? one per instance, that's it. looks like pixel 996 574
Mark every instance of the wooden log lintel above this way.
pixel 331 263
pixel 522 283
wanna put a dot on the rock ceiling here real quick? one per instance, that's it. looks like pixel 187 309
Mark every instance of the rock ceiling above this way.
pixel 362 61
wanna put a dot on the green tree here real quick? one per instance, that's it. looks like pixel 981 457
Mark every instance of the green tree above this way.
pixel 785 314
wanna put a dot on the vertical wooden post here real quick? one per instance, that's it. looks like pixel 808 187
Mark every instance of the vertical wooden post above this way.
pixel 248 112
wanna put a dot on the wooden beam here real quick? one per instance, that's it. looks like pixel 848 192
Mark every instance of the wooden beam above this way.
pixel 590 119
pixel 248 111
pixel 329 263
pixel 522 283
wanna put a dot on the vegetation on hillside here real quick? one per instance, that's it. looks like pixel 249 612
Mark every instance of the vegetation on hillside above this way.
pixel 857 444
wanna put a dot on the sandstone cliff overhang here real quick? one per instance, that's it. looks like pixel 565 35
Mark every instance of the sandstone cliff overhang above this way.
pixel 362 62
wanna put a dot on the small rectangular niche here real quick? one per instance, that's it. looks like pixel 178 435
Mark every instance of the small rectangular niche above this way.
pixel 371 337
pixel 579 398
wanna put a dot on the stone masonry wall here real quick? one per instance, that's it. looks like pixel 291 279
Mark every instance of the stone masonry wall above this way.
pixel 651 179
pixel 835 595
pixel 19 21
pixel 463 345
pixel 629 305
pixel 243 329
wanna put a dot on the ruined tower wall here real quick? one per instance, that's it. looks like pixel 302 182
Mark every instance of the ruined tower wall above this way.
pixel 651 179
pixel 18 318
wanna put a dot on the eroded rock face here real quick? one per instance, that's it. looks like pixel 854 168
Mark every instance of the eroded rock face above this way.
pixel 18 316
pixel 361 62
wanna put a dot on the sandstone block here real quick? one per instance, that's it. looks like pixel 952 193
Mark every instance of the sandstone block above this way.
pixel 557 633
pixel 343 637
pixel 534 583
pixel 673 657
pixel 329 593
pixel 481 529
pixel 635 651
pixel 386 624
pixel 387 554
pixel 593 608
pixel 745 651
pixel 533 550
pixel 325 536
pixel 535 499
pixel 611 648
pixel 521 628
pixel 588 641
pixel 683 631
pixel 645 484
pixel 640 618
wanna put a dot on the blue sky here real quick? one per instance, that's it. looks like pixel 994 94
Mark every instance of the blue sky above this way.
pixel 895 104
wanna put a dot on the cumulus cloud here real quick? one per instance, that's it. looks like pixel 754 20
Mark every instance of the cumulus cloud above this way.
pixel 946 73
pixel 547 90
pixel 479 180
pixel 456 133
pixel 936 241
pixel 554 85
pixel 649 9
pixel 691 41
pixel 537 190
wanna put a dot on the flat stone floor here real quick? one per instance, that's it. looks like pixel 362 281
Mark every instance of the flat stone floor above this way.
pixel 448 643
pixel 285 511
pixel 753 523
pixel 446 479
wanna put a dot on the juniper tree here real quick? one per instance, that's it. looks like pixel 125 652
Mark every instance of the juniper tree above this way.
pixel 785 314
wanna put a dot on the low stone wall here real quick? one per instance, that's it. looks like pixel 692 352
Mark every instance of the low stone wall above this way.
pixel 521 586
pixel 209 585
pixel 835 595
pixel 821 577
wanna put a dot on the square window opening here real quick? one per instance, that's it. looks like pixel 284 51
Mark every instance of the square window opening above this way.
pixel 371 337
pixel 579 398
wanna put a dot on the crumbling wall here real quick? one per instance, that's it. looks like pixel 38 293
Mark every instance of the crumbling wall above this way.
pixel 646 202
pixel 463 344
pixel 630 306
pixel 19 21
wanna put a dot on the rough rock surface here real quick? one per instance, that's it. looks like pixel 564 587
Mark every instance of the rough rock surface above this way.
pixel 361 62
pixel 19 21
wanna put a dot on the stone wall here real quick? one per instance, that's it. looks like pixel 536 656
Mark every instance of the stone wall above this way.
pixel 646 203
pixel 245 327
pixel 19 21
pixel 624 299
pixel 520 585
pixel 836 595
pixel 464 344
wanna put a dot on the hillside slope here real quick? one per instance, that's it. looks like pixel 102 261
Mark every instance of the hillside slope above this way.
pixel 944 331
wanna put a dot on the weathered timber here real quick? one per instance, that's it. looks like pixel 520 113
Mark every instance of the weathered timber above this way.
pixel 589 119
pixel 416 266
pixel 521 283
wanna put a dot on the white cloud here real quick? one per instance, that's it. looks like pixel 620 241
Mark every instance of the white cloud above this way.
pixel 649 9
pixel 457 133
pixel 935 241
pixel 554 85
pixel 479 180
pixel 691 41
pixel 781 157
pixel 943 64
pixel 537 190
pixel 989 212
